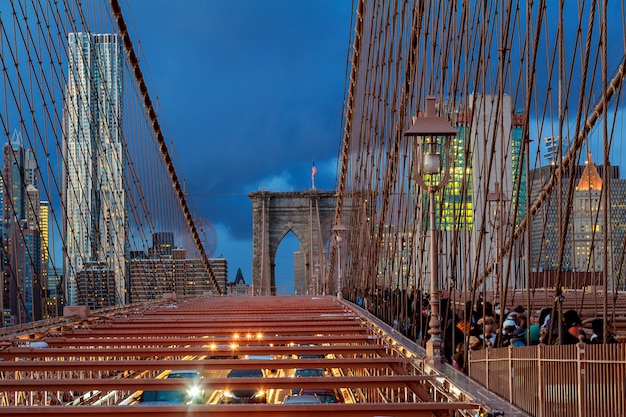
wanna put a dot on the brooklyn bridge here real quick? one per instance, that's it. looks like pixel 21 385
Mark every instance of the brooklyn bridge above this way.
pixel 468 261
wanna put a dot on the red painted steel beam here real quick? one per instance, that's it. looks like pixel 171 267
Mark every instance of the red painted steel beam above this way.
pixel 152 352
pixel 83 340
pixel 305 329
pixel 211 364
pixel 296 316
pixel 82 385
pixel 221 321
pixel 226 331
pixel 427 409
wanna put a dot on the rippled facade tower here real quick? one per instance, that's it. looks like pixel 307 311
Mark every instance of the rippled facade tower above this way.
pixel 93 189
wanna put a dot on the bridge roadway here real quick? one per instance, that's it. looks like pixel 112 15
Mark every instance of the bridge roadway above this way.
pixel 100 365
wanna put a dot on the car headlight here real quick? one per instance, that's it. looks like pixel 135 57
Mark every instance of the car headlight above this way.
pixel 228 394
pixel 194 391
pixel 259 394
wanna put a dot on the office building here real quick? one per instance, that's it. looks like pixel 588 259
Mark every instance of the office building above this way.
pixel 165 269
pixel 22 291
pixel 162 244
pixel 576 244
pixel 151 278
pixel 486 162
pixel 95 283
pixel 94 196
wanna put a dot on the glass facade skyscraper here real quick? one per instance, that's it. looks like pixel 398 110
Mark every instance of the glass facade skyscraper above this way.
pixel 468 152
pixel 486 156
pixel 94 196
pixel 21 234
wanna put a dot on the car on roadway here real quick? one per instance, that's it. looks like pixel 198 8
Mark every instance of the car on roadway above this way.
pixel 325 395
pixel 306 372
pixel 262 358
pixel 223 351
pixel 164 397
pixel 239 396
pixel 194 393
pixel 301 399
pixel 311 356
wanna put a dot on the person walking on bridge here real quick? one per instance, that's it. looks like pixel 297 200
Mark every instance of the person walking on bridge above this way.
pixel 597 325
pixel 572 329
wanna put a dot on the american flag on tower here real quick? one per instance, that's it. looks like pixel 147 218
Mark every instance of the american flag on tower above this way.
pixel 313 170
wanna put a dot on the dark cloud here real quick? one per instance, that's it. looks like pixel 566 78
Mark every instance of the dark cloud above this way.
pixel 250 92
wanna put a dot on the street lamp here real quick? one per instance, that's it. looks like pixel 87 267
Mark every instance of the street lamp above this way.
pixel 339 229
pixel 496 200
pixel 317 278
pixel 324 270
pixel 432 143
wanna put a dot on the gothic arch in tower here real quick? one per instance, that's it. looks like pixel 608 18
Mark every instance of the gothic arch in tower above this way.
pixel 309 215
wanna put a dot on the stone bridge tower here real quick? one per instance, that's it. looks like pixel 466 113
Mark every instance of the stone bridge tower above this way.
pixel 309 215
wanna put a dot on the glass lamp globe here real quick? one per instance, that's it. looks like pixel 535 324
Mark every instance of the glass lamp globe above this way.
pixel 432 163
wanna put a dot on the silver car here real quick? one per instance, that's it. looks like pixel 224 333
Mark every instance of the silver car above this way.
pixel 301 399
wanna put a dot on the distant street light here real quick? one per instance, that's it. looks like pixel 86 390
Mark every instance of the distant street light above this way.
pixel 339 229
pixel 432 143
pixel 324 265
pixel 317 279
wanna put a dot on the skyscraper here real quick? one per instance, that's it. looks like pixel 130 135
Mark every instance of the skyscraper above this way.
pixel 582 233
pixel 485 159
pixel 162 244
pixel 44 228
pixel 29 271
pixel 21 236
pixel 94 196
pixel 556 149
pixel 14 175
pixel 13 192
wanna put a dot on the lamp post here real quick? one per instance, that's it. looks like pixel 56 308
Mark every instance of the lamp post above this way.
pixel 432 143
pixel 496 200
pixel 339 229
pixel 317 279
pixel 324 271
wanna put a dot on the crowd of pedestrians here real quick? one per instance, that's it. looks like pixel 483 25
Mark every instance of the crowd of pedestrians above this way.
pixel 478 325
